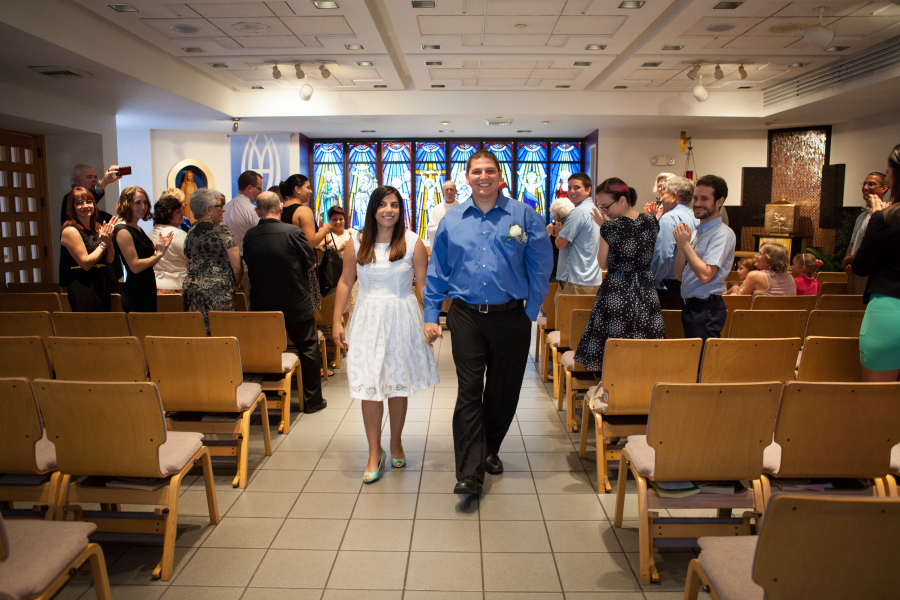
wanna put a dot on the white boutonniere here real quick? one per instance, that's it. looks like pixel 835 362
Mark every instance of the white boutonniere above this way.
pixel 517 233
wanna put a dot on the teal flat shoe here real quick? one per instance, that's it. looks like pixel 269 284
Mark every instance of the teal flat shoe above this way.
pixel 398 463
pixel 373 477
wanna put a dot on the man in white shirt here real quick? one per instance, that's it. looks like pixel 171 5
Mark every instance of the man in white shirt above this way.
pixel 240 214
pixel 873 190
pixel 437 213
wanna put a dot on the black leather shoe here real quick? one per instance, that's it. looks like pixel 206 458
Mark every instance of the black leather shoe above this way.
pixel 469 485
pixel 314 409
pixel 493 464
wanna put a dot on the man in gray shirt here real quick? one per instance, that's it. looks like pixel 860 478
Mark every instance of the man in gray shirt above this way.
pixel 578 240
pixel 873 190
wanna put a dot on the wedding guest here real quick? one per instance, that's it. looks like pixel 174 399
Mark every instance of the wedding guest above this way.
pixel 338 239
pixel 874 189
pixel 745 265
pixel 437 213
pixel 559 210
pixel 87 253
pixel 773 275
pixel 297 189
pixel 578 241
pixel 804 268
pixel 676 193
pixel 168 217
pixel 138 253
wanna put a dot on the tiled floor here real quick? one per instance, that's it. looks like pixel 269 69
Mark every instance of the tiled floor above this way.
pixel 307 528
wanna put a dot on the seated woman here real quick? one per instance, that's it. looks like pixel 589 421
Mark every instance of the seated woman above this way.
pixel 168 216
pixel 87 251
pixel 774 275
pixel 745 265
pixel 804 269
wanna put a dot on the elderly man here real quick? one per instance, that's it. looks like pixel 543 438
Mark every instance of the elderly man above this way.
pixel 676 193
pixel 278 256
pixel 873 190
pixel 437 213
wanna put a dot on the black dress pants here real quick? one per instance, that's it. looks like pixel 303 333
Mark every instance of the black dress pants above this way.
pixel 305 337
pixel 704 317
pixel 670 298
pixel 496 342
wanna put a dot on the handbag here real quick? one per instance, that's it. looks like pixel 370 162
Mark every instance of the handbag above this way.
pixel 330 269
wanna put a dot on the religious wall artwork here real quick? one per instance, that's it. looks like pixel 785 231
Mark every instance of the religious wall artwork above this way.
pixel 188 176
pixel 782 218
pixel 268 155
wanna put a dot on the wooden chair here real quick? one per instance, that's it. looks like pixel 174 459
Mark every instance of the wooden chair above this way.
pixel 698 432
pixel 33 288
pixel 890 480
pixel 64 301
pixel 27 323
pixel 203 375
pixel 24 356
pixel 87 324
pixel 621 401
pixel 115 303
pixel 732 277
pixel 828 277
pixel 577 378
pixel 835 323
pixel 813 420
pixel 784 303
pixel 734 303
pixel 545 323
pixel 241 302
pixel 830 359
pixel 169 303
pixel 30 302
pixel 117 359
pixel 118 430
pixel 674 325
pixel 558 341
pixel 28 570
pixel 173 324
pixel 26 451
pixel 809 548
pixel 324 322
pixel 768 324
pixel 735 360
pixel 840 302
pixel 263 343
pixel 833 288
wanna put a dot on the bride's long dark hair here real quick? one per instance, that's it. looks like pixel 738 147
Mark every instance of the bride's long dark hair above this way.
pixel 369 231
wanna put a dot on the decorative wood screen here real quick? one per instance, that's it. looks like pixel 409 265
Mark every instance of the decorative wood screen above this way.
pixel 24 212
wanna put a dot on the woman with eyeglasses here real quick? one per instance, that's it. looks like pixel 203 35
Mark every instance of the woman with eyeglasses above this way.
pixel 214 260
pixel 627 305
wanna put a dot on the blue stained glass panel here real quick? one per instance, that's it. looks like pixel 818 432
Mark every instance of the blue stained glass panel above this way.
pixel 399 175
pixel 565 152
pixel 559 178
pixel 532 151
pixel 430 171
pixel 532 185
pixel 461 151
pixel 396 151
pixel 431 152
pixel 328 152
pixel 503 150
pixel 328 185
pixel 458 175
pixel 363 181
pixel 362 153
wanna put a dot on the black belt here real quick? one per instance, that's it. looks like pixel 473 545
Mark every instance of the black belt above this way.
pixel 489 308
pixel 707 299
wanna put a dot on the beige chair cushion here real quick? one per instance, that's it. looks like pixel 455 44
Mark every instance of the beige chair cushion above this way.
pixel 38 552
pixel 895 459
pixel 553 338
pixel 772 459
pixel 728 562
pixel 598 397
pixel 568 360
pixel 180 447
pixel 542 322
pixel 247 393
pixel 45 454
pixel 643 457
pixel 288 361
pixel 320 336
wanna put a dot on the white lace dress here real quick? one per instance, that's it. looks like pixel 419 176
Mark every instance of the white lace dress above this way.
pixel 388 354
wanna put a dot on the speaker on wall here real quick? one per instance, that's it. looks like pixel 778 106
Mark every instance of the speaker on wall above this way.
pixel 756 192
pixel 831 207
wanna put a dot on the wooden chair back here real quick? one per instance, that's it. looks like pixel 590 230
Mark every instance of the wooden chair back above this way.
pixel 24 356
pixel 195 374
pixel 64 302
pixel 674 325
pixel 170 303
pixel 27 323
pixel 115 303
pixel 33 288
pixel 785 303
pixel 262 337
pixel 828 277
pixel 735 360
pixel 565 305
pixel 632 367
pixel 732 277
pixel 111 429
pixel 831 359
pixel 835 323
pixel 20 428
pixel 30 302
pixel 549 307
pixel 111 359
pixel 325 316
pixel 173 324
pixel 833 288
pixel 768 324
pixel 733 303
pixel 241 302
pixel 91 324
pixel 714 432
pixel 577 325
pixel 828 548
pixel 840 302
pixel 815 418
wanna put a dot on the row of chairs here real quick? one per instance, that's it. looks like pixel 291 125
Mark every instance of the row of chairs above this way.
pixel 724 433
pixel 70 436
pixel 59 302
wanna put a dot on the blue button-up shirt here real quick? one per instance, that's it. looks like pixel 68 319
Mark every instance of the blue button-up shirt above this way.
pixel 665 252
pixel 578 260
pixel 714 243
pixel 472 260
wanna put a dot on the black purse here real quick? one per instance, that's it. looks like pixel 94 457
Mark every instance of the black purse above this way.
pixel 330 269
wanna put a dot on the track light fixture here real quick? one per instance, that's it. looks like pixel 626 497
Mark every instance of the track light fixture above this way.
pixel 819 35
pixel 692 74
pixel 299 69
pixel 276 74
pixel 742 73
pixel 306 92
pixel 700 92
pixel 719 74
pixel 324 71
pixel 235 125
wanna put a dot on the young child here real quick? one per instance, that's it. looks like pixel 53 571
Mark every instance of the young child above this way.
pixel 745 265
pixel 804 269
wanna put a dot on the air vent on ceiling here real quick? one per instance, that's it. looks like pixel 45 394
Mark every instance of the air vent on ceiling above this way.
pixel 498 122
pixel 61 72
pixel 423 3
pixel 883 58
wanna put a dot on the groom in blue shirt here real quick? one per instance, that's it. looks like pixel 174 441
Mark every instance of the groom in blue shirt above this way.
pixel 493 257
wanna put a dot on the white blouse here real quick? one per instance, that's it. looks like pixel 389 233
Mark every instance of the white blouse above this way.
pixel 173 266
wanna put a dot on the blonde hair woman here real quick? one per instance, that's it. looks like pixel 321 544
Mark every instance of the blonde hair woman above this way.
pixel 773 277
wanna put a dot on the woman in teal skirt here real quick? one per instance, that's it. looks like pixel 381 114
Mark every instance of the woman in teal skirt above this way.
pixel 878 259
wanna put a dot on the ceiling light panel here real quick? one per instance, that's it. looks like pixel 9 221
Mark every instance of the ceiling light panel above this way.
pixel 379 85
pixel 431 46
pixel 672 47
pixel 123 8
pixel 365 63
pixel 354 47
pixel 631 4
pixel 727 5
pixel 423 3
pixel 581 63
pixel 651 64
pixel 325 5
pixel 595 47
pixel 434 63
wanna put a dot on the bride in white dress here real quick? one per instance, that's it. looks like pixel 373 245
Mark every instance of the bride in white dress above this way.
pixel 388 356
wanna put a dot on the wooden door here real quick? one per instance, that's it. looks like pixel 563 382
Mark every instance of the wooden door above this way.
pixel 24 211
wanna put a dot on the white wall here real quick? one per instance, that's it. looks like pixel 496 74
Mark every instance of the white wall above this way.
pixel 863 145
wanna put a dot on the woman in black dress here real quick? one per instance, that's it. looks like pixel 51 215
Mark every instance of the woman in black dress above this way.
pixel 138 253
pixel 87 253
pixel 627 304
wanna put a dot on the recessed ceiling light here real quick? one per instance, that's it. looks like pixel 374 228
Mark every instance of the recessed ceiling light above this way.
pixel 257 87
pixel 123 8
pixel 433 63
pixel 365 63
pixel 367 131
pixel 521 25
pixel 745 87
pixel 322 4
pixel 431 46
pixel 423 4
pixel 194 50
pixel 182 28
pixel 672 47
pixel 445 122
pixel 798 65
pixel 545 122
pixel 651 64
pixel 445 131
pixel 837 48
pixel 720 27
pixel 218 65
pixel 620 87
pixel 354 47
pixel 631 4
pixel 437 85
pixel 563 87
pixel 379 85
pixel 595 47
pixel 581 63
pixel 523 131
pixel 727 5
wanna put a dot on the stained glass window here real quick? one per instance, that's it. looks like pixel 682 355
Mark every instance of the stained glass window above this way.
pixel 397 172
pixel 504 153
pixel 566 160
pixel 328 177
pixel 459 154
pixel 566 152
pixel 363 179
pixel 431 161
pixel 532 175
